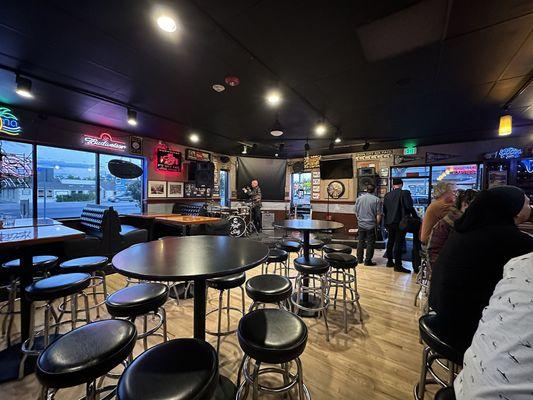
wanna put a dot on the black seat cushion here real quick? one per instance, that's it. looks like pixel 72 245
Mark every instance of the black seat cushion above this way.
pixel 337 248
pixel 429 337
pixel 272 336
pixel 86 353
pixel 85 264
pixel 39 262
pixel 269 288
pixel 277 255
pixel 445 394
pixel 227 282
pixel 57 286
pixel 313 265
pixel 341 260
pixel 292 246
pixel 315 244
pixel 179 369
pixel 137 300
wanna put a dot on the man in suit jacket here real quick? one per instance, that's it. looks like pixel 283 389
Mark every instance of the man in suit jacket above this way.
pixel 393 213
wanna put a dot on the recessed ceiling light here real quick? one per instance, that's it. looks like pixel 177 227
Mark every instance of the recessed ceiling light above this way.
pixel 218 88
pixel 193 137
pixel 166 23
pixel 320 129
pixel 23 87
pixel 273 98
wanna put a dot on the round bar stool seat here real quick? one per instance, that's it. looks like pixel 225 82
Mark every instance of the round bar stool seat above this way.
pixel 84 264
pixel 336 248
pixel 277 255
pixel 313 265
pixel 341 260
pixel 315 244
pixel 272 336
pixel 290 246
pixel 57 286
pixel 41 263
pixel 86 353
pixel 183 369
pixel 445 394
pixel 429 337
pixel 227 282
pixel 269 288
pixel 136 300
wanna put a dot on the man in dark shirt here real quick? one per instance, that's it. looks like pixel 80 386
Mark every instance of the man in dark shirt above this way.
pixel 255 196
pixel 396 204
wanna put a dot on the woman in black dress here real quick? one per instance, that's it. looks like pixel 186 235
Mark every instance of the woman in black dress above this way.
pixel 471 262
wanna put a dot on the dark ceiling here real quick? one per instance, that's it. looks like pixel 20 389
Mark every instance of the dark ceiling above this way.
pixel 388 72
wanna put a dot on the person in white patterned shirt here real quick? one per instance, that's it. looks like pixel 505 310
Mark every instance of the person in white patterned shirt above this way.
pixel 499 362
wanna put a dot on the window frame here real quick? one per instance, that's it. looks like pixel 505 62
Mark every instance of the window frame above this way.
pixel 97 170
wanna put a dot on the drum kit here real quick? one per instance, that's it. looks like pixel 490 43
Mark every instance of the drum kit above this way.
pixel 240 219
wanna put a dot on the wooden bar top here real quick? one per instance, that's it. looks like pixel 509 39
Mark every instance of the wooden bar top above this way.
pixel 33 235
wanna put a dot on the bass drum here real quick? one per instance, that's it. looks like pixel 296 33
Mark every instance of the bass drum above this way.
pixel 237 226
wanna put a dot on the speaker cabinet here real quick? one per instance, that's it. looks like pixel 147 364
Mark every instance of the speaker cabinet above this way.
pixel 205 174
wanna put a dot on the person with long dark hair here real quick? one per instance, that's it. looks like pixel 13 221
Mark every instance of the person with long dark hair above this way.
pixel 471 262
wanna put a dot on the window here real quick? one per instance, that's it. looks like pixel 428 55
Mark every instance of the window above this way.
pixel 68 177
pixel 301 188
pixel 16 179
pixel 463 176
pixel 224 188
pixel 124 195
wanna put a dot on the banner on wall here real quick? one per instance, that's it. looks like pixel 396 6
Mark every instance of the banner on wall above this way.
pixel 436 157
pixel 401 159
pixel 373 155
pixel 197 155
pixel 168 160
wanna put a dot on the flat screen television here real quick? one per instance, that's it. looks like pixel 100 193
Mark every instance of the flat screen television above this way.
pixel 336 169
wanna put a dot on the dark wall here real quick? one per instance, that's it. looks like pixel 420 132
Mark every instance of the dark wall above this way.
pixel 269 172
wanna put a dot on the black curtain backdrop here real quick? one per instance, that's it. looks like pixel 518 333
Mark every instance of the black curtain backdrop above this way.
pixel 269 172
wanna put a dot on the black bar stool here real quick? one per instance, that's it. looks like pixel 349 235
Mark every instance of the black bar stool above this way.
pixel 271 336
pixel 315 272
pixel 185 369
pixel 83 355
pixel 290 246
pixel 93 265
pixel 10 283
pixel 141 300
pixel 336 248
pixel 279 258
pixel 438 351
pixel 226 283
pixel 47 290
pixel 343 275
pixel 269 289
pixel 315 245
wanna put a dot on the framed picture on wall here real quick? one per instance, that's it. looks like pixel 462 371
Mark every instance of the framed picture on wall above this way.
pixel 383 181
pixel 175 189
pixel 316 196
pixel 157 189
pixel 316 174
pixel 316 181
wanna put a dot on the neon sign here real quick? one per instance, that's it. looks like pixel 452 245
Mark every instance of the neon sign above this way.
pixel 9 123
pixel 104 141
pixel 510 152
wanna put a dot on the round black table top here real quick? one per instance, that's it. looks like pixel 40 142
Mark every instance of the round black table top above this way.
pixel 311 225
pixel 189 258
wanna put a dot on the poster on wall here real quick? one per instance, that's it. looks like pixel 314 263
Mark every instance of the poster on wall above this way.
pixel 497 178
pixel 197 155
pixel 168 160
pixel 157 189
pixel 175 189
pixel 316 174
pixel 191 191
pixel 311 162
pixel 316 196
pixel 136 145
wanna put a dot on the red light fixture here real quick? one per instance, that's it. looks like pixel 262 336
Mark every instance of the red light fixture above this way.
pixel 232 81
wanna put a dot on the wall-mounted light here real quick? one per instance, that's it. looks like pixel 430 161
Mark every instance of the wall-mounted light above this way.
pixel 23 87
pixel 506 125
pixel 132 117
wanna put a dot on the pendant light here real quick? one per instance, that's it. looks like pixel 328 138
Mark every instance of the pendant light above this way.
pixel 277 129
pixel 506 125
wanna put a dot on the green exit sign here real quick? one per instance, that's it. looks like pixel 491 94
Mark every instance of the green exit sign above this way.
pixel 409 151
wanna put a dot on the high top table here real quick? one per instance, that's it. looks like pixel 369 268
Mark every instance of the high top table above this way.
pixel 23 242
pixel 306 226
pixel 196 258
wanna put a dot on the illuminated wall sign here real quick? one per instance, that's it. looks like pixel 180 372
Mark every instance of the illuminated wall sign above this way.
pixel 510 152
pixel 9 123
pixel 104 141
pixel 409 151
pixel 168 160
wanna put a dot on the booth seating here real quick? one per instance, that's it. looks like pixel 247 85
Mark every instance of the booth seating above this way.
pixel 185 369
pixel 271 336
pixel 435 351
pixel 105 235
pixel 85 354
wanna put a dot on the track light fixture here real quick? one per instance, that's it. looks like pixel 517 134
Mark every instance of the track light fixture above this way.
pixel 254 146
pixel 281 147
pixel 244 149
pixel 132 117
pixel 338 138
pixel 23 87
pixel 366 146
pixel 331 146
pixel 277 129
pixel 307 148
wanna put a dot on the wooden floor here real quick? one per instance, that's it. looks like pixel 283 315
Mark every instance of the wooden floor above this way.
pixel 377 360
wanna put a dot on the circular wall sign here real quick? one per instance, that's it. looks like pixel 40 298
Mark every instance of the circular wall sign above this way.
pixel 336 189
pixel 237 226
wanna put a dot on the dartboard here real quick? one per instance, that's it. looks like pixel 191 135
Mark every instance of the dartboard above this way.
pixel 336 189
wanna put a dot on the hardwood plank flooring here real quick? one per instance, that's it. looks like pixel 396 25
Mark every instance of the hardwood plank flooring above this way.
pixel 377 360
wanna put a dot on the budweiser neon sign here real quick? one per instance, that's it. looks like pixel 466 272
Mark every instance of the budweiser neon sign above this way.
pixel 104 141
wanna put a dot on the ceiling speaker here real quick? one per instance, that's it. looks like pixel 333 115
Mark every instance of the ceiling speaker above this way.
pixel 124 169
pixel 298 166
